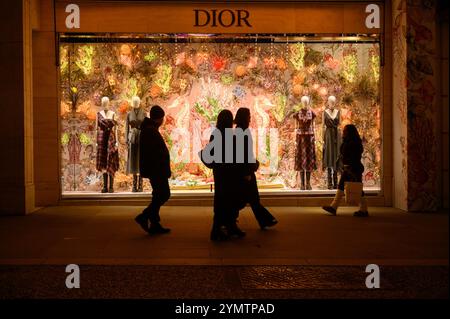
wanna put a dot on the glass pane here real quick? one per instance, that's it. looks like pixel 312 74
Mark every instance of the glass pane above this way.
pixel 194 81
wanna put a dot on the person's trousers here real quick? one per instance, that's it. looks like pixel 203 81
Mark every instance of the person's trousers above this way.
pixel 252 198
pixel 160 195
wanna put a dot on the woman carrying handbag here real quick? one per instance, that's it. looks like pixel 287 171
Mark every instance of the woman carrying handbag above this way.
pixel 351 178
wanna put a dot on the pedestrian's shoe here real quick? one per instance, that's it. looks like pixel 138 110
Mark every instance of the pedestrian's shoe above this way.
pixel 329 209
pixel 234 231
pixel 156 228
pixel 360 213
pixel 142 221
pixel 267 223
pixel 218 234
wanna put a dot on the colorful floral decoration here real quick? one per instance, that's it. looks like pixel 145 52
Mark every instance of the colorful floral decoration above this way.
pixel 201 57
pixel 124 107
pixel 281 103
pixel 150 56
pixel 227 79
pixel 63 59
pixel 219 63
pixel 375 67
pixel 350 67
pixel 155 91
pixel 269 62
pixel 252 62
pixel 240 70
pixel 64 139
pixel 239 92
pixel 84 59
pixel 297 55
pixel 194 82
pixel 163 77
pixel 125 57
pixel 331 62
pixel 84 139
pixel 297 89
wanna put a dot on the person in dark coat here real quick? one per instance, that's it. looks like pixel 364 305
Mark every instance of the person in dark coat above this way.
pixel 247 169
pixel 352 169
pixel 154 164
pixel 226 194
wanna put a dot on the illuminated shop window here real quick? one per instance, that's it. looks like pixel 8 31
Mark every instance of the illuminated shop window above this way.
pixel 193 79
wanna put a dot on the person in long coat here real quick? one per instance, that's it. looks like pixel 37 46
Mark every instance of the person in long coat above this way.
pixel 247 169
pixel 154 164
pixel 226 193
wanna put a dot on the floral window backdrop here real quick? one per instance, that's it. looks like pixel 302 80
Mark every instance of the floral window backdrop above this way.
pixel 194 81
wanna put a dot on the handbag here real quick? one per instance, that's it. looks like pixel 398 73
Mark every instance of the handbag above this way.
pixel 353 192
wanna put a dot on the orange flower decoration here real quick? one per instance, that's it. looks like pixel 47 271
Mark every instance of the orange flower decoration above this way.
pixel 240 70
pixel 299 79
pixel 155 91
pixel 297 89
pixel 281 64
pixel 125 49
pixel 123 108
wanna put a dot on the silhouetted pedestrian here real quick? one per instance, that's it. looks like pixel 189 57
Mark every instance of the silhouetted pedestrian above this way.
pixel 247 169
pixel 154 163
pixel 226 194
pixel 350 157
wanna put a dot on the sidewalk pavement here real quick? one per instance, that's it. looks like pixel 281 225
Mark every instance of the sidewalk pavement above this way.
pixel 307 255
pixel 304 236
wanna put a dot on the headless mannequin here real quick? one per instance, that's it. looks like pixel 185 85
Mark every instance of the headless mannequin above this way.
pixel 137 179
pixel 107 113
pixel 332 113
pixel 305 174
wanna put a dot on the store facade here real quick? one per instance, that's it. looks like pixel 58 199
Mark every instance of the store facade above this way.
pixel 195 59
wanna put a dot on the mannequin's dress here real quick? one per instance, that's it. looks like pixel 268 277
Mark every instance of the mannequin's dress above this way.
pixel 107 152
pixel 332 139
pixel 134 120
pixel 305 159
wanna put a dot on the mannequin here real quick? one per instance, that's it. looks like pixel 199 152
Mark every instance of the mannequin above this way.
pixel 305 160
pixel 133 130
pixel 107 146
pixel 331 141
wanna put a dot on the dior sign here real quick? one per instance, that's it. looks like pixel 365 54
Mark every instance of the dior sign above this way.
pixel 224 18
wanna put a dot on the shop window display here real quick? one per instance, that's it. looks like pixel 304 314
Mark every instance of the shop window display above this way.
pixel 326 85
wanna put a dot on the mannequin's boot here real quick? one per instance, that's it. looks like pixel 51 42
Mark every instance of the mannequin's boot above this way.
pixel 134 190
pixel 308 181
pixel 335 179
pixel 111 183
pixel 362 212
pixel 105 183
pixel 140 186
pixel 329 178
pixel 302 178
pixel 332 209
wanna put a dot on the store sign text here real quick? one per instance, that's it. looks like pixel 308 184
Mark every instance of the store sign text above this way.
pixel 225 18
